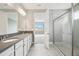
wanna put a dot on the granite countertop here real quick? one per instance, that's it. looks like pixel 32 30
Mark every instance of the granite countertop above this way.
pixel 6 45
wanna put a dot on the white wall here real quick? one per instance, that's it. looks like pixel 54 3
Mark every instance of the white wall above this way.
pixel 40 16
pixel 25 23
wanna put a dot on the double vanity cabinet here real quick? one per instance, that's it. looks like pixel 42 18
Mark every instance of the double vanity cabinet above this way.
pixel 19 47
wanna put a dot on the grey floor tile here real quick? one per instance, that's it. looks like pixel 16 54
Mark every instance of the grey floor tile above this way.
pixel 41 50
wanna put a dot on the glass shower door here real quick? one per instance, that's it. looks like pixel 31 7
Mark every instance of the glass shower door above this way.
pixel 76 30
pixel 63 35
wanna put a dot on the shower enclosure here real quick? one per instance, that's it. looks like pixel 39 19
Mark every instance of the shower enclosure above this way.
pixel 66 31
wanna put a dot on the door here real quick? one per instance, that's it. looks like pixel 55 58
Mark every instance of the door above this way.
pixel 46 30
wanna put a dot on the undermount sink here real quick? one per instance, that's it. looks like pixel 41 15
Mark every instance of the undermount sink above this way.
pixel 9 40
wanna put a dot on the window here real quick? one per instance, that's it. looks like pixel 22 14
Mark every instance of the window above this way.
pixel 39 27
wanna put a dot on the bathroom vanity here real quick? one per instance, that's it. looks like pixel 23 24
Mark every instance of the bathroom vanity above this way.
pixel 18 45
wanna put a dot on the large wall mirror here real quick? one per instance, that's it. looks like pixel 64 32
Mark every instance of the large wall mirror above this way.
pixel 8 19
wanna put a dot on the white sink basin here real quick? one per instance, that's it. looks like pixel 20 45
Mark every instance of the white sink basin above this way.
pixel 10 40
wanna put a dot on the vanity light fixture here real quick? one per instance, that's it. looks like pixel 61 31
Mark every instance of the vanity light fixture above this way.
pixel 9 4
pixel 21 11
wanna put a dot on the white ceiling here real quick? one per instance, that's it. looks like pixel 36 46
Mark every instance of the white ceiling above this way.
pixel 4 6
pixel 38 6
pixel 47 5
pixel 9 11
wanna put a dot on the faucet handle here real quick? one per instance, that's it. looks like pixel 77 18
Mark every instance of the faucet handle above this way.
pixel 2 38
pixel 6 35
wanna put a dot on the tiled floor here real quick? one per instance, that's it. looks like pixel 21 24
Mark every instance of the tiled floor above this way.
pixel 39 39
pixel 41 50
pixel 65 48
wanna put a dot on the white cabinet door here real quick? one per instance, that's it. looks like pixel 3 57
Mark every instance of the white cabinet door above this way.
pixel 25 50
pixel 19 51
pixel 25 46
pixel 29 42
pixel 8 52
pixel 19 48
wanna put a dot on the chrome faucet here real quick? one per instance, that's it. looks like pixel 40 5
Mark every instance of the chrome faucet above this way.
pixel 1 38
pixel 5 37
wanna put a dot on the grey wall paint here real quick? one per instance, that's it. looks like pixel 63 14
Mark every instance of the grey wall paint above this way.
pixel 51 25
